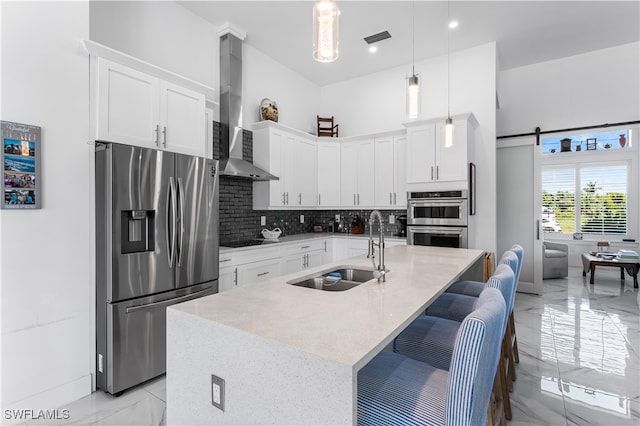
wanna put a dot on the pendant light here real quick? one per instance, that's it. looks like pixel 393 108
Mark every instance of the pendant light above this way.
pixel 325 31
pixel 413 83
pixel 448 124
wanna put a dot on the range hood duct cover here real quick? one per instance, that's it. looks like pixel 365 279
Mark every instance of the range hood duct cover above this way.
pixel 231 162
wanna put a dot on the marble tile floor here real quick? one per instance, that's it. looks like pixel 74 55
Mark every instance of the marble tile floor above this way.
pixel 579 361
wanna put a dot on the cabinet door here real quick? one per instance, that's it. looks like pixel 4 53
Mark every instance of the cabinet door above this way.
pixel 227 279
pixel 314 258
pixel 208 131
pixel 258 271
pixel 182 120
pixel 288 169
pixel 384 172
pixel 304 173
pixel 340 249
pixel 420 156
pixel 294 263
pixel 127 105
pixel 348 175
pixel 328 174
pixel 452 161
pixel 268 154
pixel 365 160
pixel 400 171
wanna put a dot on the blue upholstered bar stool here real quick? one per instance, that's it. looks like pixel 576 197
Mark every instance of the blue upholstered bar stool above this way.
pixel 455 306
pixel 428 338
pixel 473 288
pixel 395 389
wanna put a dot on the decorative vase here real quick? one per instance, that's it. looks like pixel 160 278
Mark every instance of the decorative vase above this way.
pixel 623 141
pixel 268 110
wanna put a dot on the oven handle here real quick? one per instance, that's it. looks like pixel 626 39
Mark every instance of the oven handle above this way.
pixel 437 203
pixel 436 230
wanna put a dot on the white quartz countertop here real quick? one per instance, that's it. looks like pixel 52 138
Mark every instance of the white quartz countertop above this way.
pixel 348 327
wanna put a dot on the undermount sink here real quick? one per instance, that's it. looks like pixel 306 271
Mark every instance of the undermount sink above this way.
pixel 350 277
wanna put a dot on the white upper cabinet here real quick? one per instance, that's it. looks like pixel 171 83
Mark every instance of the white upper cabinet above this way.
pixel 328 172
pixel 390 172
pixel 292 158
pixel 128 102
pixel 305 174
pixel 429 162
pixel 357 162
pixel 135 108
pixel 182 115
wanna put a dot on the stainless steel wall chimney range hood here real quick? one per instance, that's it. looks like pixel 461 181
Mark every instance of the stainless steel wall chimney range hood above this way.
pixel 231 162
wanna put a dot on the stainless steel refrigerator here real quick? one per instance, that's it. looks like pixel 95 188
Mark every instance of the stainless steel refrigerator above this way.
pixel 157 245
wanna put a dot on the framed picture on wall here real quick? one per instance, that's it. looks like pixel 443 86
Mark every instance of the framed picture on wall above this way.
pixel 20 157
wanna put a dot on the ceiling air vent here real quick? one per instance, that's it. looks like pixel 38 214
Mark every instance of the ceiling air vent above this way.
pixel 377 37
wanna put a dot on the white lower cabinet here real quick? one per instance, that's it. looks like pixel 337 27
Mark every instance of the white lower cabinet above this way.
pixel 347 247
pixel 261 264
pixel 303 256
pixel 228 278
pixel 258 271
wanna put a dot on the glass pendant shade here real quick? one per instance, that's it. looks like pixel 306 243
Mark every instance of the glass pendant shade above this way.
pixel 413 96
pixel 325 31
pixel 448 133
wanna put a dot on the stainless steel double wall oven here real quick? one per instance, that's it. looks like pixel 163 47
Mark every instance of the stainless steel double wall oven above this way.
pixel 438 218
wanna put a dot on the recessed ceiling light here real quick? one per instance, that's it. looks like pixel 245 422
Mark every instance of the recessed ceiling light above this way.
pixel 373 49
pixel 453 24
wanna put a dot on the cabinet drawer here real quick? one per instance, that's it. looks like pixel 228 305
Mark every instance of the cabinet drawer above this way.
pixel 258 271
pixel 303 247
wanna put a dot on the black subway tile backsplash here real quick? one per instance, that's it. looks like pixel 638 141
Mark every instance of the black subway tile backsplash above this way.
pixel 238 220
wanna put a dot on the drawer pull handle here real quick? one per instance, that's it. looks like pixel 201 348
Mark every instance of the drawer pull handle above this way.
pixel 225 260
pixel 263 273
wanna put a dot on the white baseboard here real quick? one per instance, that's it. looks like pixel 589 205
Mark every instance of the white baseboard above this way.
pixel 49 399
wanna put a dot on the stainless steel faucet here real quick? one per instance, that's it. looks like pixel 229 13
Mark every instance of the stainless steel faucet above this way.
pixel 380 269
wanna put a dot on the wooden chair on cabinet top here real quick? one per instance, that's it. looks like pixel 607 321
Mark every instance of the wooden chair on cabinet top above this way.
pixel 326 127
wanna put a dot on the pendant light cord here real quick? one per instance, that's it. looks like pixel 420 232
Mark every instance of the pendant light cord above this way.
pixel 448 64
pixel 413 38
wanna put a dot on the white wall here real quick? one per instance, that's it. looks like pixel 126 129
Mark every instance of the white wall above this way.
pixel 593 88
pixel 298 99
pixel 376 103
pixel 589 89
pixel 172 37
pixel 162 33
pixel 45 273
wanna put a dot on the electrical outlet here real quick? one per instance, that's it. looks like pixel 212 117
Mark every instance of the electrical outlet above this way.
pixel 263 220
pixel 301 218
pixel 392 219
pixel 217 392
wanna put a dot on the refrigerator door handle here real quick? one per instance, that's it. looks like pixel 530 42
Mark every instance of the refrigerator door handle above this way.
pixel 171 210
pixel 180 221
pixel 169 302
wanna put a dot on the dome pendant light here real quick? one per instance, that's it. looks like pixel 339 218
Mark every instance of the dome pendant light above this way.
pixel 413 82
pixel 325 31
pixel 448 124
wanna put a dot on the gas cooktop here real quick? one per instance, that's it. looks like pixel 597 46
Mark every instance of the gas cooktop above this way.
pixel 246 243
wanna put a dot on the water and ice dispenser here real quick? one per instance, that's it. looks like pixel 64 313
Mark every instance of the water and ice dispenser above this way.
pixel 137 231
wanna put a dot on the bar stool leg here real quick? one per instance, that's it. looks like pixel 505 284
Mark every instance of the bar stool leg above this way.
pixel 505 383
pixel 512 324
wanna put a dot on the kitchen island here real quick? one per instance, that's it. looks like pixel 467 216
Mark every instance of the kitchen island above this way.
pixel 289 354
